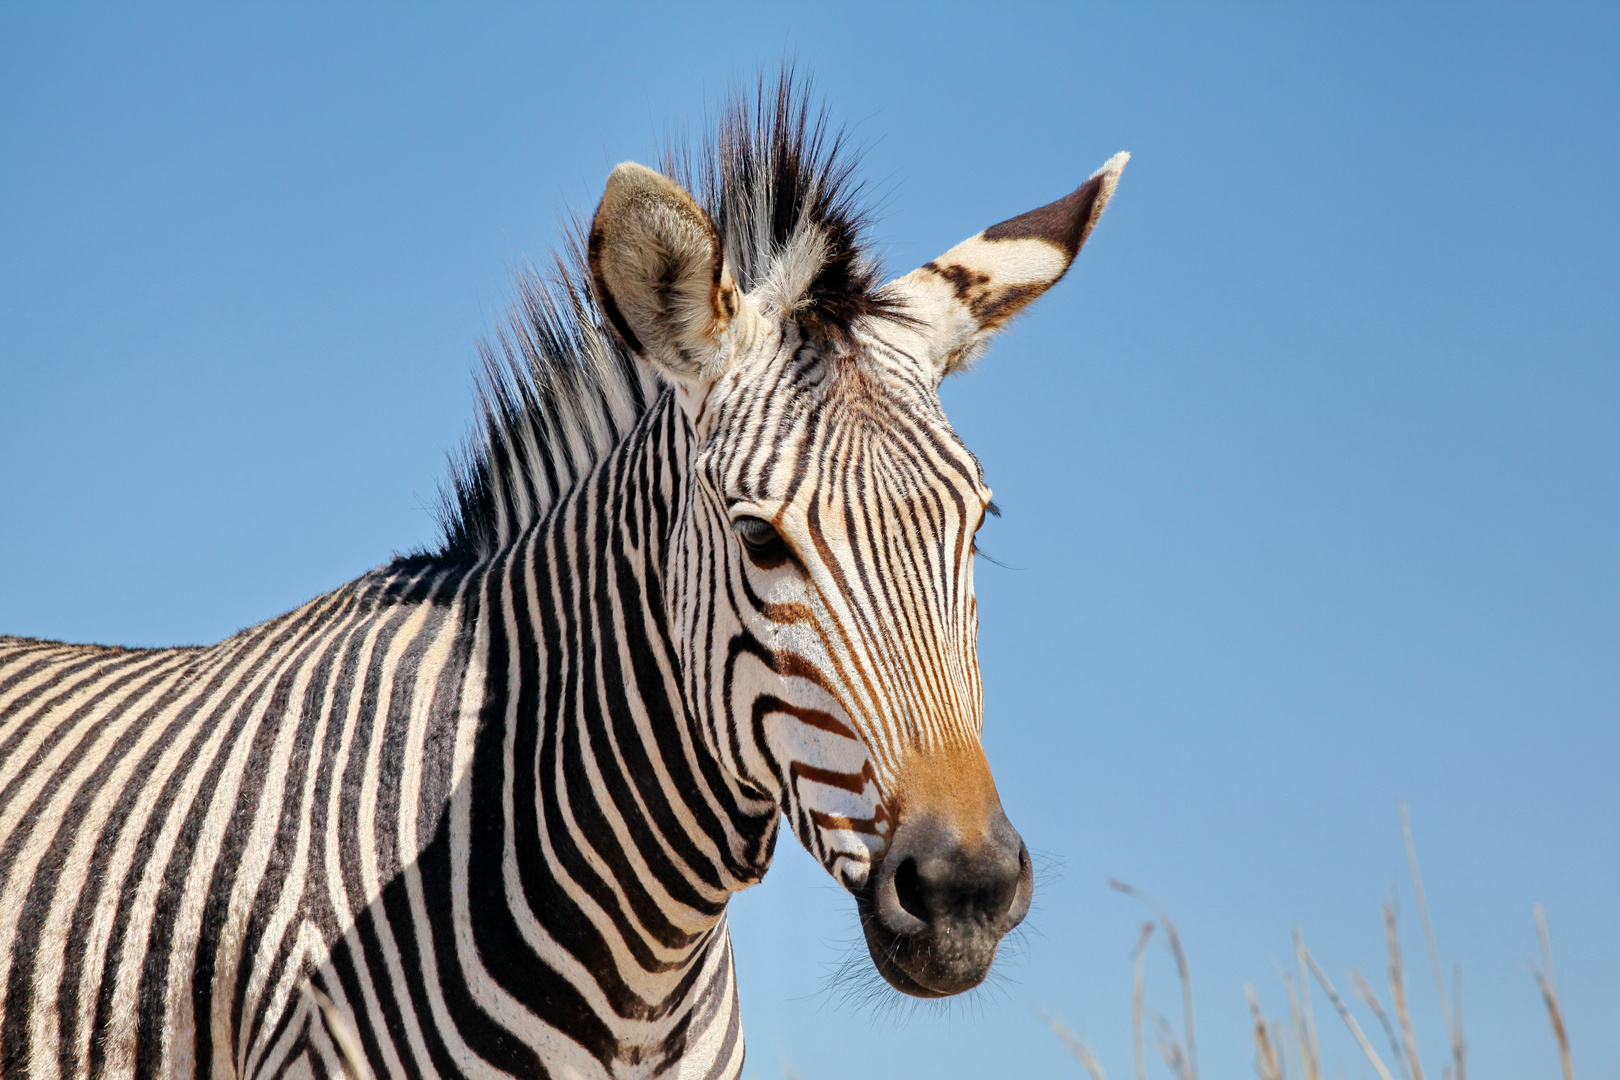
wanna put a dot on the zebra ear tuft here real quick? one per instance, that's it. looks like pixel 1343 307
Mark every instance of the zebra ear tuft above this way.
pixel 660 274
pixel 963 297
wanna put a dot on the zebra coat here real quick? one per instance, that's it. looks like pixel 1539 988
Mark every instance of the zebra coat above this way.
pixel 708 565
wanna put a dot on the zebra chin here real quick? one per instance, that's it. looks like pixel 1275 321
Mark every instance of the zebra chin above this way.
pixel 935 909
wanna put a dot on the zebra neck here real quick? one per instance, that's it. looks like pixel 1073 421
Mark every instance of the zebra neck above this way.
pixel 595 804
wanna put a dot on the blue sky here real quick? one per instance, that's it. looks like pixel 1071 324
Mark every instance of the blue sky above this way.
pixel 1310 468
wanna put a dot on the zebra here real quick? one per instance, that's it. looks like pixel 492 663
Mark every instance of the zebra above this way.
pixel 707 564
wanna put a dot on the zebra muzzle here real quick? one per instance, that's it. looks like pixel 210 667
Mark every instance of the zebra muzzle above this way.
pixel 940 903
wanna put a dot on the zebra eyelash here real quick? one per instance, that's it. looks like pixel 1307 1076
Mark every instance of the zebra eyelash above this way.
pixel 993 510
pixel 989 558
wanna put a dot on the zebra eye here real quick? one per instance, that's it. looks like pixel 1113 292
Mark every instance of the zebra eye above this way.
pixel 761 539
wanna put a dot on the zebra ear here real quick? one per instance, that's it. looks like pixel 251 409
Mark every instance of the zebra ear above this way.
pixel 963 297
pixel 660 272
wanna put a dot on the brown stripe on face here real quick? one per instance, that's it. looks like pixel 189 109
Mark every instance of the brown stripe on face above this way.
pixel 1064 224
pixel 815 718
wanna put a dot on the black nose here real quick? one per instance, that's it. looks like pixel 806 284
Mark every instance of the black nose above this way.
pixel 942 899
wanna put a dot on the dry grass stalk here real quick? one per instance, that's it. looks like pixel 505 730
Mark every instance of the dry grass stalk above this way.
pixel 1266 1060
pixel 1170 1049
pixel 1305 1048
pixel 351 1053
pixel 1076 1046
pixel 1453 1030
pixel 1183 972
pixel 1344 1013
pixel 1137 999
pixel 1369 997
pixel 1397 991
pixel 1547 981
pixel 1307 1032
pixel 1457 1044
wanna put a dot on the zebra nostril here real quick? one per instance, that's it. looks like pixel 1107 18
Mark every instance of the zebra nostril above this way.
pixel 908 890
pixel 898 896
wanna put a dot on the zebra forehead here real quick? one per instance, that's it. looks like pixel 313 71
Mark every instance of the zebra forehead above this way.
pixel 901 435
pixel 857 437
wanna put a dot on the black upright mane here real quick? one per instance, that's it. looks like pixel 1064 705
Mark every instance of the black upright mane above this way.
pixel 557 389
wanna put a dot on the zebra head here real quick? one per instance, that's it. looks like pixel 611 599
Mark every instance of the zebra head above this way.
pixel 821 579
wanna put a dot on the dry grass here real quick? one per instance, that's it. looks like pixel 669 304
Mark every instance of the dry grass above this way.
pixel 1178 1050
pixel 1077 1046
pixel 1453 1029
pixel 1549 994
pixel 1285 1049
pixel 1266 1060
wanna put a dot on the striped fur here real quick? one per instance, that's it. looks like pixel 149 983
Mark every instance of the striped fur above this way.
pixel 479 812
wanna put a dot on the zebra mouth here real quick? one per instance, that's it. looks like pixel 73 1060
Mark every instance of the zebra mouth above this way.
pixel 933 913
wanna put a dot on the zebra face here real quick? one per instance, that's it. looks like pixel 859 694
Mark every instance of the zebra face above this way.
pixel 853 550
pixel 827 539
